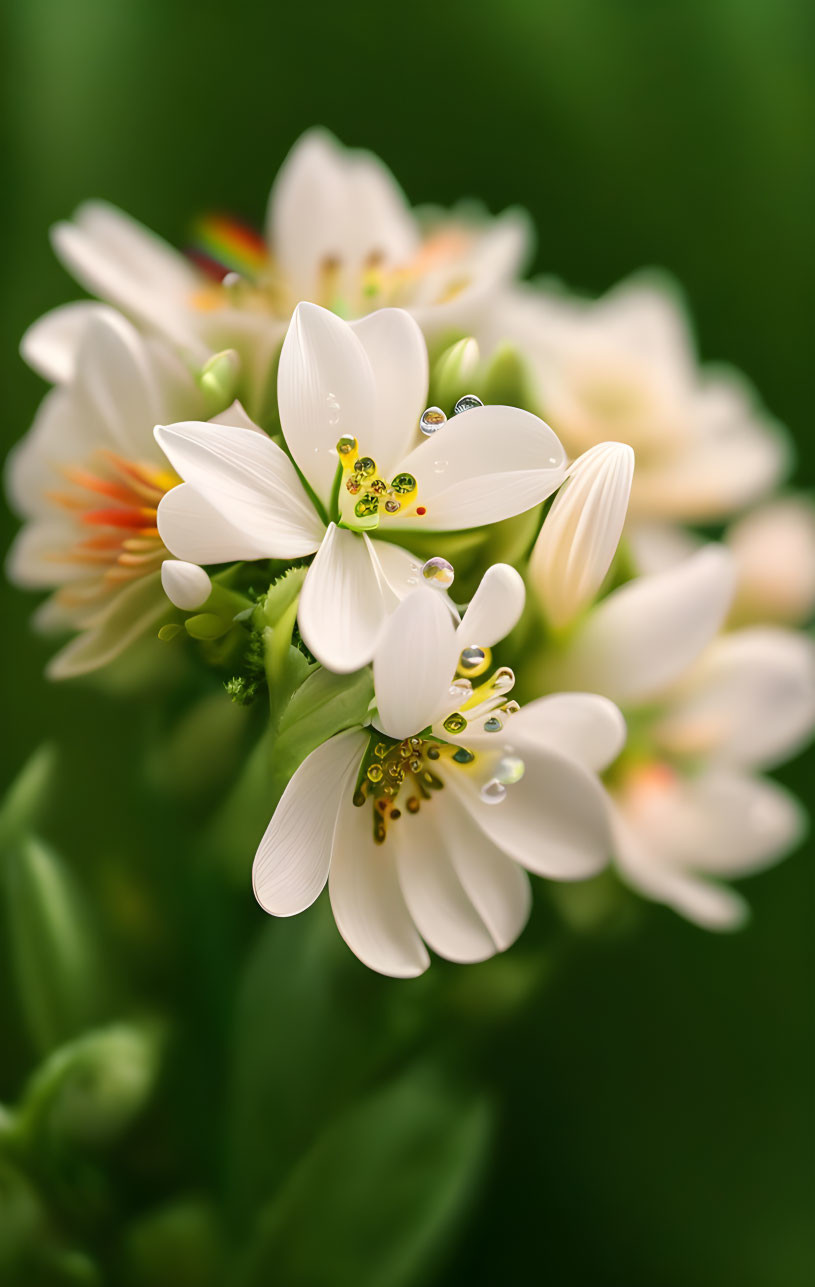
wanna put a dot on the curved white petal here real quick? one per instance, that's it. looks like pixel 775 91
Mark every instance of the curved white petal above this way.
pixel 194 531
pixel 584 726
pixel 367 900
pixel 325 390
pixel 128 616
pixel 494 609
pixel 50 344
pixel 582 530
pixel 186 585
pixel 554 821
pixel 292 861
pixel 645 635
pixel 345 601
pixel 708 905
pixel 397 353
pixel 116 385
pixel 750 699
pixel 249 481
pixel 37 556
pixel 120 260
pixel 414 663
pixel 482 466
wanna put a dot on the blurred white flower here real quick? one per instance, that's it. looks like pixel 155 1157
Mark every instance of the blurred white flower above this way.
pixel 424 817
pixel 350 399
pixel 88 479
pixel 624 367
pixel 581 532
pixel 705 713
pixel 338 232
pixel 774 551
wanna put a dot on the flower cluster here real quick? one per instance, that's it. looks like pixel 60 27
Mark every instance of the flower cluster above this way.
pixel 357 455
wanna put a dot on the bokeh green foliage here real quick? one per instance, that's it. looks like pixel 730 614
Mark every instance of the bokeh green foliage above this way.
pixel 652 1089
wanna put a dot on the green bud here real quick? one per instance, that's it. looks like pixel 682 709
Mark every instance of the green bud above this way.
pixel 218 380
pixel 53 948
pixel 87 1092
pixel 506 381
pixel 454 371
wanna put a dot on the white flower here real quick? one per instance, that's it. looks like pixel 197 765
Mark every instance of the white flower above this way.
pixel 88 479
pixel 624 368
pixel 350 399
pixel 705 714
pixel 338 232
pixel 581 532
pixel 774 551
pixel 418 824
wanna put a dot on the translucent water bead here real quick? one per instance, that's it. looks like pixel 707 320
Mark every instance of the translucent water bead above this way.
pixel 438 573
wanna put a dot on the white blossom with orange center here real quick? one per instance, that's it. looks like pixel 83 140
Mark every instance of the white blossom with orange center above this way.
pixel 339 232
pixel 706 711
pixel 88 480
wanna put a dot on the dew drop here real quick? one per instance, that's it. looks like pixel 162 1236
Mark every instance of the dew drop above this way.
pixel 493 792
pixel 474 660
pixel 432 420
pixel 460 688
pixel 365 466
pixel 403 484
pixel 467 403
pixel 438 573
pixel 493 724
pixel 509 770
pixel 346 444
pixel 439 466
pixel 455 723
pixel 463 756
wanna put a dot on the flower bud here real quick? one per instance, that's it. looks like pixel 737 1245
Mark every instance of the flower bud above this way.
pixel 186 585
pixel 454 371
pixel 218 379
pixel 87 1093
pixel 506 382
pixel 581 532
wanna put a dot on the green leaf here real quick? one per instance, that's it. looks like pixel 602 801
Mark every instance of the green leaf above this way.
pixel 324 704
pixel 54 952
pixel 26 798
pixel 378 1199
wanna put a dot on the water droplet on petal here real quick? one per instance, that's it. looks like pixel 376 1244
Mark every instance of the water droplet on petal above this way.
pixel 467 403
pixel 509 770
pixel 493 724
pixel 439 573
pixel 455 723
pixel 460 688
pixel 474 660
pixel 463 756
pixel 432 420
pixel 493 792
pixel 346 444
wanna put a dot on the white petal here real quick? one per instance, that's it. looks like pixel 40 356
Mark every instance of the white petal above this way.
pixel 444 915
pixel 482 466
pixel 115 257
pixel 344 601
pixel 774 549
pixel 367 901
pixel 50 344
pixel 196 532
pixel 397 353
pixel 414 663
pixel 553 822
pixel 494 609
pixel 750 699
pixel 129 615
pixel 655 547
pixel 186 585
pixel 711 906
pixel 325 389
pixel 36 558
pixel 117 385
pixel 582 530
pixel 249 481
pixel 292 860
pixel 584 726
pixel 645 635
pixel 467 898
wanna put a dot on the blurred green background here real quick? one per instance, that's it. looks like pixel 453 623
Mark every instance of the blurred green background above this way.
pixel 654 1101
